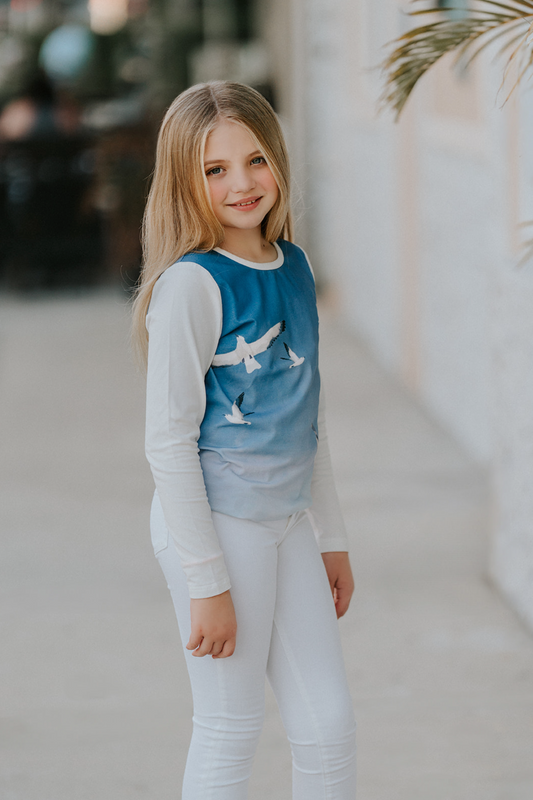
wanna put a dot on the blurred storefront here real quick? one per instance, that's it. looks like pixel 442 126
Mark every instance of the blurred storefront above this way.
pixel 83 86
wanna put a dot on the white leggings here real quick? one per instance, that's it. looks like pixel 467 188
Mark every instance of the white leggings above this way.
pixel 287 630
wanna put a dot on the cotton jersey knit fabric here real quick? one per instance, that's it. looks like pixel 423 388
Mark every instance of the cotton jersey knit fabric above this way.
pixel 232 403
pixel 259 433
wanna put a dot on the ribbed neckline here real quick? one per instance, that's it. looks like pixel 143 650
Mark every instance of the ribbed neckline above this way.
pixel 255 264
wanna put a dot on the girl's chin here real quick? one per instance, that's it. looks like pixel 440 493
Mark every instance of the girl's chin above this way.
pixel 245 225
pixel 244 222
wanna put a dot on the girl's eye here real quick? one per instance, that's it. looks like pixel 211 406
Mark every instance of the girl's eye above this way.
pixel 215 171
pixel 258 160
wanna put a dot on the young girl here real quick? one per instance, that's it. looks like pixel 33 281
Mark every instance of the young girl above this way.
pixel 237 445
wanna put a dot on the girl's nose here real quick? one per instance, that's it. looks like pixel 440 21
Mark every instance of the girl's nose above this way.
pixel 243 181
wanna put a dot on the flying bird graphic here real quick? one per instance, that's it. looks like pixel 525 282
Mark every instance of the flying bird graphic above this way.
pixel 236 416
pixel 292 357
pixel 245 351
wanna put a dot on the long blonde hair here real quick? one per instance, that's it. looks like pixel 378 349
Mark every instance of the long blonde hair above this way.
pixel 178 217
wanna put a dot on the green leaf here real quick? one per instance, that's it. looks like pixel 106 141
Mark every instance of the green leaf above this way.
pixel 421 47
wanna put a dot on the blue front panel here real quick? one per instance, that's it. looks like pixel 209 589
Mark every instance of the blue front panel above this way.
pixel 258 437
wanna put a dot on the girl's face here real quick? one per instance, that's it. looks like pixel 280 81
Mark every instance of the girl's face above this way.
pixel 241 185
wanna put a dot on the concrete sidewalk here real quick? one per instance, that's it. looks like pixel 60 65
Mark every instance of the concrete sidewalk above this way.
pixel 94 699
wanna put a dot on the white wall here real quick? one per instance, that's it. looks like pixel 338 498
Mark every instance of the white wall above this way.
pixel 415 226
pixel 460 209
pixel 350 167
pixel 512 370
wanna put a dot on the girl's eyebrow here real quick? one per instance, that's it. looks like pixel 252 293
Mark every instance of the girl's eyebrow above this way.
pixel 223 160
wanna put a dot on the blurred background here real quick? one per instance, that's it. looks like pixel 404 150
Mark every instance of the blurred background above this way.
pixel 415 230
pixel 83 86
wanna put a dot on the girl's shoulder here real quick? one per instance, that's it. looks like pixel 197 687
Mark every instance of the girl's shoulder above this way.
pixel 184 278
pixel 185 290
pixel 297 252
pixel 184 269
pixel 210 261
pixel 290 248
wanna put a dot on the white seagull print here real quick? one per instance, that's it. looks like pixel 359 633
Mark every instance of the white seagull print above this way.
pixel 293 357
pixel 236 416
pixel 245 351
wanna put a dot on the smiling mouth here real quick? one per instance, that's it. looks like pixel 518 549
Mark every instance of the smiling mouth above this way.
pixel 246 203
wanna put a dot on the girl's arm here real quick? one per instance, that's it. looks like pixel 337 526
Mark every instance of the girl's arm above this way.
pixel 326 518
pixel 184 322
pixel 325 511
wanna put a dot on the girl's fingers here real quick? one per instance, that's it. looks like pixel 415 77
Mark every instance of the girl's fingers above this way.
pixel 343 595
pixel 342 605
pixel 205 648
pixel 340 578
pixel 216 649
pixel 195 640
pixel 208 647
pixel 227 650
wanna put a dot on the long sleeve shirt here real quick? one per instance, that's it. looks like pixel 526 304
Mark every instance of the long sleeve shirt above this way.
pixel 206 415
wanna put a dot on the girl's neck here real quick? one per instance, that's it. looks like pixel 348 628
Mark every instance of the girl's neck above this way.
pixel 249 245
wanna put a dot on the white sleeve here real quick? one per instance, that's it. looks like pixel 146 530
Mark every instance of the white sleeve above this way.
pixel 184 322
pixel 325 513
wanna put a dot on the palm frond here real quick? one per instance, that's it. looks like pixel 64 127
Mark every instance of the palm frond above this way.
pixel 527 246
pixel 510 39
pixel 418 49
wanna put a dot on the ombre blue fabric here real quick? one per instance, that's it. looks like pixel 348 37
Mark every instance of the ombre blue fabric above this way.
pixel 259 434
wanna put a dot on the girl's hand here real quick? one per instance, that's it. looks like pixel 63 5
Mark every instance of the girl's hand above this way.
pixel 213 626
pixel 340 579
